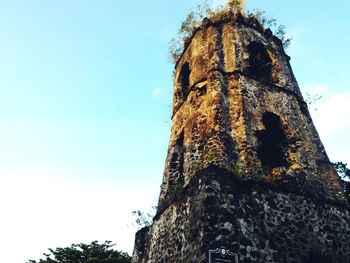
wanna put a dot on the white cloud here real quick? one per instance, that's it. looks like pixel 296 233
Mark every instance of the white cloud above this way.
pixel 332 115
pixel 40 211
pixel 332 120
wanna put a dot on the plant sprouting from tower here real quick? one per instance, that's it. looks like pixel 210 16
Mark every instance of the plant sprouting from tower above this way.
pixel 202 10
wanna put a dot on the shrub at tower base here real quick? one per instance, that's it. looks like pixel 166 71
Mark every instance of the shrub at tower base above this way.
pixel 85 253
pixel 246 178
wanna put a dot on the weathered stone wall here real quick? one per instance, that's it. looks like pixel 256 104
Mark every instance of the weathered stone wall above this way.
pixel 246 168
pixel 259 221
pixel 305 154
pixel 230 76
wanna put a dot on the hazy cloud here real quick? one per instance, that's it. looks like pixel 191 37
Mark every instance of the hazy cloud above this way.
pixel 39 211
pixel 333 114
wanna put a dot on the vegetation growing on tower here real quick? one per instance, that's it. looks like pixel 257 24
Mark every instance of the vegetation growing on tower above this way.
pixel 202 10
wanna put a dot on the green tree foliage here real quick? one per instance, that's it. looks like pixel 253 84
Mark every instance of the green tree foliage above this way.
pixel 344 174
pixel 271 23
pixel 191 22
pixel 85 253
pixel 343 170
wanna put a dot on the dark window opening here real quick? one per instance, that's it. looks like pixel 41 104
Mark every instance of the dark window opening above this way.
pixel 260 63
pixel 177 156
pixel 273 143
pixel 180 140
pixel 173 186
pixel 184 79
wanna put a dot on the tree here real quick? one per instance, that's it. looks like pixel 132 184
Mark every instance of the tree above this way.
pixel 344 174
pixel 85 253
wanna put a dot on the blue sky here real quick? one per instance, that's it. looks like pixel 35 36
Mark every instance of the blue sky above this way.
pixel 85 95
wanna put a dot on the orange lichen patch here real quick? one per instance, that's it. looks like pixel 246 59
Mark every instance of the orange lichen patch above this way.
pixel 197 97
pixel 212 45
pixel 238 122
pixel 212 99
pixel 295 166
pixel 293 161
pixel 191 121
pixel 286 129
pixel 229 47
pixel 236 108
pixel 276 67
pixel 275 174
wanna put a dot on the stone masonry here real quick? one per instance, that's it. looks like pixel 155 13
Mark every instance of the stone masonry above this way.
pixel 246 171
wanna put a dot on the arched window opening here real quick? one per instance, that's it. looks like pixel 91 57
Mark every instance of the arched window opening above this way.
pixel 273 143
pixel 260 63
pixel 184 79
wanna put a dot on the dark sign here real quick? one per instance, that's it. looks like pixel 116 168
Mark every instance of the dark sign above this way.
pixel 222 255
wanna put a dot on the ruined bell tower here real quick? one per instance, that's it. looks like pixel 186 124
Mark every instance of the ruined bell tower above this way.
pixel 246 178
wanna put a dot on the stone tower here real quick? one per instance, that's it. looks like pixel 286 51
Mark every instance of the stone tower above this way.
pixel 246 178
